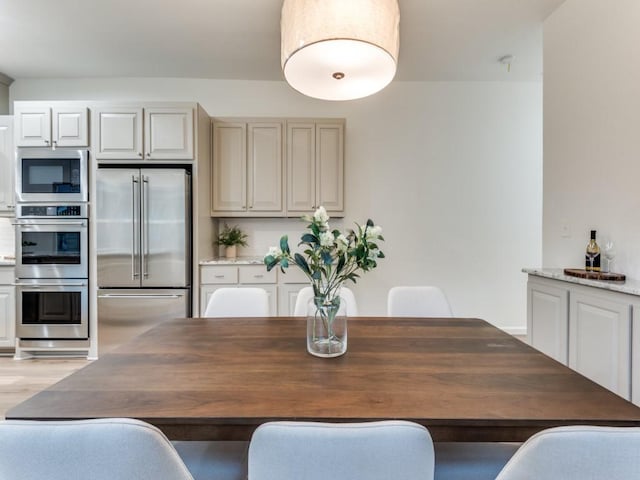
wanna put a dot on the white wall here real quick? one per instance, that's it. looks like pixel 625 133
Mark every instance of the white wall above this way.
pixel 451 171
pixel 592 131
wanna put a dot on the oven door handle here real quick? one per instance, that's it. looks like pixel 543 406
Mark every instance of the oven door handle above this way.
pixel 43 284
pixel 38 223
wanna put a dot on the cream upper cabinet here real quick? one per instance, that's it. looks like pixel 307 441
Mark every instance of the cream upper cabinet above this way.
pixel 315 167
pixel 118 133
pixel 136 133
pixel 247 169
pixel 43 125
pixel 7 164
pixel 168 133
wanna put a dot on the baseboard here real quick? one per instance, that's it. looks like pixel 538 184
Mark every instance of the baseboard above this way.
pixel 519 331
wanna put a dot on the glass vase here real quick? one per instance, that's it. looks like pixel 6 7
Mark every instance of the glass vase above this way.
pixel 326 327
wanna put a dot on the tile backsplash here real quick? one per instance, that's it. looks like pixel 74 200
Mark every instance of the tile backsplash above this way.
pixel 7 237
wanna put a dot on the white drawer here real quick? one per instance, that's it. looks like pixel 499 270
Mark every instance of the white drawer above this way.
pixel 257 274
pixel 7 277
pixel 218 274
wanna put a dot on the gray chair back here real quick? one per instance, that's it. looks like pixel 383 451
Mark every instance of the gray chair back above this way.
pixel 577 453
pixel 387 450
pixel 104 449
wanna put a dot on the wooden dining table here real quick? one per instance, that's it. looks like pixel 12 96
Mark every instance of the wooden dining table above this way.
pixel 218 379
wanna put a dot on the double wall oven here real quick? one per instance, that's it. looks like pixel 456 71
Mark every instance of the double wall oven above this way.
pixel 52 244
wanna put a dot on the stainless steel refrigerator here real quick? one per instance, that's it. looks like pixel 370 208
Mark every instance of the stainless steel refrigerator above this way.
pixel 143 249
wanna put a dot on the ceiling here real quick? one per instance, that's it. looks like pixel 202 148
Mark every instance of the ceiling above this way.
pixel 240 39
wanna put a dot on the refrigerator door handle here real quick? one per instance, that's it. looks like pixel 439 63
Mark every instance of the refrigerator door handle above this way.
pixel 134 227
pixel 145 227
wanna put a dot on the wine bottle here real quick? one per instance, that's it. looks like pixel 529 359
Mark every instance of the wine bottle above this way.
pixel 592 258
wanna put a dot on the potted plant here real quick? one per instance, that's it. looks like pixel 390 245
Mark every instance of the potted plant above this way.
pixel 230 238
pixel 329 259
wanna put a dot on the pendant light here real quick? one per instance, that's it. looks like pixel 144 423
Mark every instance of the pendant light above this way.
pixel 339 49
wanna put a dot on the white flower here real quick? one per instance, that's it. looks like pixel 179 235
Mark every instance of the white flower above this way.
pixel 342 243
pixel 326 239
pixel 374 232
pixel 274 252
pixel 320 215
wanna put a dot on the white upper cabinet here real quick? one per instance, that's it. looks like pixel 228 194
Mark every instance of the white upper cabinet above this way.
pixel 44 125
pixel 247 169
pixel 315 167
pixel 7 165
pixel 168 133
pixel 136 133
pixel 118 132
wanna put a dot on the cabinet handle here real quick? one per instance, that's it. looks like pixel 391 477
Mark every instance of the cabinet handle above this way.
pixel 46 142
pixel 258 276
pixel 139 154
pixel 148 154
pixel 219 276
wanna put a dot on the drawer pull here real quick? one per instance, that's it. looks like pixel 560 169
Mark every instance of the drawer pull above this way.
pixel 258 275
pixel 219 276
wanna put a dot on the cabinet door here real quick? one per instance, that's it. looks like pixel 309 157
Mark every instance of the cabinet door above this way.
pixel 287 296
pixel 548 319
pixel 32 125
pixel 168 133
pixel 265 169
pixel 119 133
pixel 330 167
pixel 229 169
pixel 7 165
pixel 599 341
pixel 301 168
pixel 70 127
pixel 7 316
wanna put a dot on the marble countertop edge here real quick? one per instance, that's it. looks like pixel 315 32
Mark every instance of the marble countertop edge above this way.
pixel 630 286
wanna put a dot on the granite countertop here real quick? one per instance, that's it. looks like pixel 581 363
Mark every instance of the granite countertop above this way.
pixel 630 286
pixel 236 261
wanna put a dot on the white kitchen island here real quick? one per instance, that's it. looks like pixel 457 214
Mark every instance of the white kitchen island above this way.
pixel 587 325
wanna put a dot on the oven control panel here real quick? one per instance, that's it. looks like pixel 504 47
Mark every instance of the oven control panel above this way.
pixel 47 211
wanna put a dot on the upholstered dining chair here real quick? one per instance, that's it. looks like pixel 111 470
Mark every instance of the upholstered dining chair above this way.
pixel 577 453
pixel 238 302
pixel 386 450
pixel 104 449
pixel 422 301
pixel 348 305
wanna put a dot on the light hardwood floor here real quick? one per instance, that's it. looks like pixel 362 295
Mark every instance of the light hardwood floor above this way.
pixel 20 379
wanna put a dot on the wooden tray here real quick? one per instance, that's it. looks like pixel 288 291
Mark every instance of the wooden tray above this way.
pixel 582 273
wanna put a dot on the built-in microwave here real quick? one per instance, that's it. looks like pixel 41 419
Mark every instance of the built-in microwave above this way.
pixel 47 175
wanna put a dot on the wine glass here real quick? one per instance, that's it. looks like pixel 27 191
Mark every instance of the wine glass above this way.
pixel 609 253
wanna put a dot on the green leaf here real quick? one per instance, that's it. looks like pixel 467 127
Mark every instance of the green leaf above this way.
pixel 326 258
pixel 284 263
pixel 381 255
pixel 284 244
pixel 302 263
pixel 308 238
pixel 271 264
pixel 369 223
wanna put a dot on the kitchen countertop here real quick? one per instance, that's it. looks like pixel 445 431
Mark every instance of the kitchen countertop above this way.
pixel 236 261
pixel 7 261
pixel 630 286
